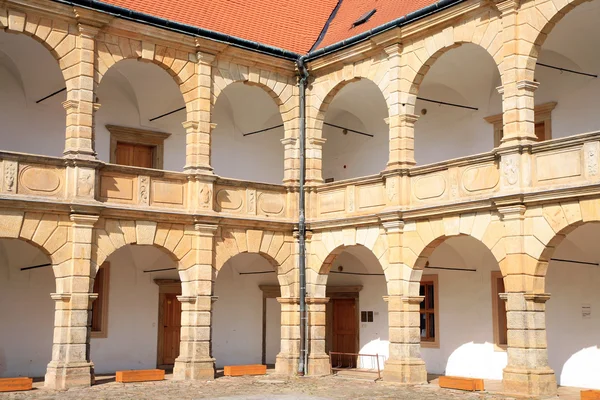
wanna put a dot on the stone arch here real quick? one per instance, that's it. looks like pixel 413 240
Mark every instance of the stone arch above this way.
pixel 281 88
pixel 275 247
pixel 112 234
pixel 327 245
pixel 181 65
pixel 421 238
pixel 47 232
pixel 55 35
pixel 418 57
pixel 325 88
pixel 550 224
pixel 543 17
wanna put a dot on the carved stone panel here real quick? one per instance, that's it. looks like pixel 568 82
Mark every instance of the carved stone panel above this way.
pixel 230 200
pixel 144 190
pixel 168 193
pixel 271 204
pixel 251 201
pixel 429 186
pixel 331 202
pixel 205 196
pixel 371 196
pixel 10 176
pixel 564 164
pixel 591 154
pixel 118 187
pixel 480 177
pixel 86 182
pixel 40 181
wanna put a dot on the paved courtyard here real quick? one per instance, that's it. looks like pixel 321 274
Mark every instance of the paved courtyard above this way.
pixel 252 388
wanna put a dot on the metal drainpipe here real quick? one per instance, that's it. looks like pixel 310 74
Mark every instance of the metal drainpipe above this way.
pixel 303 361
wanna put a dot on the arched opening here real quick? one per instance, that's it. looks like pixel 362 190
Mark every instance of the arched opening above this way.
pixel 32 122
pixel 570 98
pixel 454 100
pixel 246 316
pixel 243 146
pixel 136 319
pixel 132 125
pixel 572 320
pixel 357 313
pixel 463 322
pixel 356 132
pixel 26 309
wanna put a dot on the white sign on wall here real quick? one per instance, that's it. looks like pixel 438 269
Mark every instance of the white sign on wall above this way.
pixel 586 311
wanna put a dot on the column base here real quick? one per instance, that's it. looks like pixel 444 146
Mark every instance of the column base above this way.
pixel 410 370
pixel 286 364
pixel 319 365
pixel 201 370
pixel 540 383
pixel 67 376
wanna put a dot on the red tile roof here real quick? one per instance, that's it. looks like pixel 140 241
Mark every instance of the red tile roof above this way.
pixel 293 25
pixel 341 28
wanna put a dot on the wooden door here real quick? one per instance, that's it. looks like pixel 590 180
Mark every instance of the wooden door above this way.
pixel 171 328
pixel 135 155
pixel 345 330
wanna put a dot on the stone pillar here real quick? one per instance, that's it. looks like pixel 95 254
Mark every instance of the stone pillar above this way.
pixel 195 360
pixel 314 160
pixel 287 360
pixel 81 99
pixel 517 79
pixel 401 119
pixel 405 364
pixel 318 360
pixel 527 372
pixel 291 161
pixel 71 364
pixel 198 125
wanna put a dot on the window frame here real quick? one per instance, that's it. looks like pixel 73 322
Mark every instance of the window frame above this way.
pixel 123 134
pixel 496 301
pixel 433 280
pixel 102 300
pixel 542 114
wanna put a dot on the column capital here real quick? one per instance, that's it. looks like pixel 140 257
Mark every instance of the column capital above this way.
pixel 84 220
pixel 288 300
pixel 514 211
pixel 317 300
pixel 393 226
pixel 316 140
pixel 508 6
pixel 289 141
pixel 394 49
pixel 205 58
pixel 206 229
pixel 537 297
pixel 527 85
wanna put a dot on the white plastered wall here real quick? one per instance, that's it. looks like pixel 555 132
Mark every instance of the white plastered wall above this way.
pixel 237 313
pixel 26 310
pixel 574 339
pixel 132 337
pixel 465 300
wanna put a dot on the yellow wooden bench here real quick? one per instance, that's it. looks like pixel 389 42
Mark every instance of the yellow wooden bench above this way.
pixel 240 370
pixel 455 382
pixel 15 384
pixel 143 375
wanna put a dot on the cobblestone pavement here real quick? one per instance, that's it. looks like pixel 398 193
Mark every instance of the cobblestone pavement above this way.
pixel 252 388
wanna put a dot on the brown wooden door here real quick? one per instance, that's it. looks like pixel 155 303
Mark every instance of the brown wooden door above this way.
pixel 171 328
pixel 135 155
pixel 345 330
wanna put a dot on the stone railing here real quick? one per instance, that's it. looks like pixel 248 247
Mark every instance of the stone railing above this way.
pixel 253 199
pixel 31 175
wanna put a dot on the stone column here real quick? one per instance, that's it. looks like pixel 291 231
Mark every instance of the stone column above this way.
pixel 318 360
pixel 314 160
pixel 287 360
pixel 81 99
pixel 195 360
pixel 291 161
pixel 198 125
pixel 71 364
pixel 527 372
pixel 517 79
pixel 404 363
pixel 401 119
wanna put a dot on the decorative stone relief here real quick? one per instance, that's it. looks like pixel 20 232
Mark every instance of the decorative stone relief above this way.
pixel 453 184
pixel 144 189
pixel 85 184
pixel 391 189
pixel 10 176
pixel 205 195
pixel 39 180
pixel 591 158
pixel 480 177
pixel 350 196
pixel 251 201
pixel 510 169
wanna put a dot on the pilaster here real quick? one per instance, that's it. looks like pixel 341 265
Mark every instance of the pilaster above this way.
pixel 318 360
pixel 287 360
